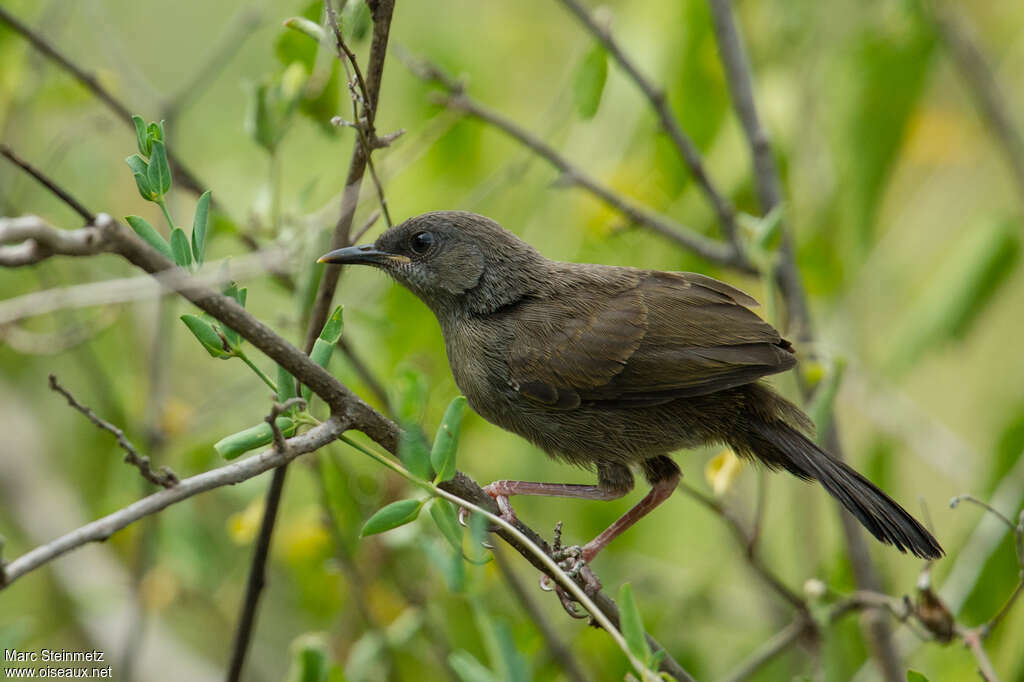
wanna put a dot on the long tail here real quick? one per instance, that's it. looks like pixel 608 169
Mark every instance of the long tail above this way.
pixel 779 445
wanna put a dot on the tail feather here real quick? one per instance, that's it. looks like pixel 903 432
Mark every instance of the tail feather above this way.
pixel 781 446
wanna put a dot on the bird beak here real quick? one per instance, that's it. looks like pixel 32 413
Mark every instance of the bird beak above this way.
pixel 361 255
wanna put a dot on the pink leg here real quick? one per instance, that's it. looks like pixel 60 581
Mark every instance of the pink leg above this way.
pixel 660 492
pixel 502 490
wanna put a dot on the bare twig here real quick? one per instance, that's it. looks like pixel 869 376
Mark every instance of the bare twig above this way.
pixel 973 640
pixel 183 175
pixel 766 176
pixel 29 240
pixel 165 477
pixel 781 641
pixel 659 102
pixel 746 539
pixel 230 474
pixel 559 650
pixel 46 181
pixel 709 249
pixel 963 49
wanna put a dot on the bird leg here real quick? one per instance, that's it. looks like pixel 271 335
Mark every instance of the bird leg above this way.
pixel 502 490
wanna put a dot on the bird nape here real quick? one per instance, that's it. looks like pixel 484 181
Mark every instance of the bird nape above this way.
pixel 613 368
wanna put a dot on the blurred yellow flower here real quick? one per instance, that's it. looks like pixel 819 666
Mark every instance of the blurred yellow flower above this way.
pixel 243 525
pixel 721 471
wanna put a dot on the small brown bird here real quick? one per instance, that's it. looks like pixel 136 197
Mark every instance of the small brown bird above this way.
pixel 613 368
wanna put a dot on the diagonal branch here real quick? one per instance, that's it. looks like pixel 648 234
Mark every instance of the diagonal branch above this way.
pixel 659 102
pixel 42 179
pixel 709 249
pixel 164 478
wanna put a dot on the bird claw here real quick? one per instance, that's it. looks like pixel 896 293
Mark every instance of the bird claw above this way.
pixel 570 559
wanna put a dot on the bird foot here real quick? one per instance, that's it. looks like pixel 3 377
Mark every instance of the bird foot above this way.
pixel 501 498
pixel 572 560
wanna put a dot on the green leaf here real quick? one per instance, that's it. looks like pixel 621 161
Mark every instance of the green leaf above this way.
pixel 413 451
pixel 321 355
pixel 285 385
pixel 392 516
pixel 409 390
pixel 914 676
pixel 469 669
pixel 444 516
pixel 292 46
pixel 631 624
pixel 355 20
pixel 159 174
pixel 242 442
pixel 141 139
pixel 149 235
pixel 155 132
pixel 199 224
pixel 588 82
pixel 307 27
pixel 964 284
pixel 262 121
pixel 310 661
pixel 446 441
pixel 478 529
pixel 140 169
pixel 821 408
pixel 513 666
pixel 180 248
pixel 334 326
pixel 207 336
pixel 137 164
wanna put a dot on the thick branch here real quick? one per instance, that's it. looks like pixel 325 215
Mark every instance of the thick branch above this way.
pixel 28 240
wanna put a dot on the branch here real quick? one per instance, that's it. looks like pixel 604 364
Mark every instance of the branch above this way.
pixel 184 176
pixel 230 474
pixel 34 240
pixel 381 12
pixel 770 649
pixel 766 176
pixel 46 181
pixel 978 75
pixel 659 102
pixel 709 249
pixel 164 478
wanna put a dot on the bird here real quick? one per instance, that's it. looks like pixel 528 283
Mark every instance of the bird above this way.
pixel 614 368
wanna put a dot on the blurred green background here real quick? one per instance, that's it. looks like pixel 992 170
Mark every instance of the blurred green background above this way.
pixel 908 228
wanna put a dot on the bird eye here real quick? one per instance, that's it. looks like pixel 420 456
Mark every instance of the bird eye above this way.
pixel 421 241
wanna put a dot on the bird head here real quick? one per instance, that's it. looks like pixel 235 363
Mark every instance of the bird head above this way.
pixel 453 261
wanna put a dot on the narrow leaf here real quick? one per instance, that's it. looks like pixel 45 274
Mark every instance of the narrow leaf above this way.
pixel 140 134
pixel 137 164
pixel 334 326
pixel 392 516
pixel 159 174
pixel 180 248
pixel 149 235
pixel 321 355
pixel 469 669
pixel 588 83
pixel 310 660
pixel 199 223
pixel 443 513
pixel 309 28
pixel 446 441
pixel 242 442
pixel 631 624
pixel 285 385
pixel 207 336
pixel 413 451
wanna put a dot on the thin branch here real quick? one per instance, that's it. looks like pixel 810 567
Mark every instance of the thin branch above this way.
pixel 770 649
pixel 46 181
pixel 659 102
pixel 767 180
pixel 709 249
pixel 165 477
pixel 745 540
pixel 183 175
pixel 973 640
pixel 559 650
pixel 380 11
pixel 230 474
pixel 974 68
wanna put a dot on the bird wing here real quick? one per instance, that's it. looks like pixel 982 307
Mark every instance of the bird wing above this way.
pixel 665 336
